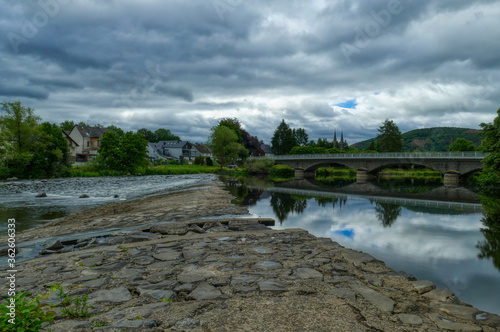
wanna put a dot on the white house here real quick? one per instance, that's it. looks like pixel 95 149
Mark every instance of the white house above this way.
pixel 87 140
pixel 168 150
pixel 202 150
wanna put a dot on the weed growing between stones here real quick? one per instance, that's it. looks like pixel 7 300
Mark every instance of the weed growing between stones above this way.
pixel 99 323
pixel 75 307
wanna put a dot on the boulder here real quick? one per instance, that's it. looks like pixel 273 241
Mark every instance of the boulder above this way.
pixel 41 195
pixel 56 245
pixel 84 196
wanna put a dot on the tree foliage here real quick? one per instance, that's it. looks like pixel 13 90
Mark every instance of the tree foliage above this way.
pixel 490 175
pixel 389 138
pixel 67 125
pixel 461 144
pixel 251 143
pixel 122 151
pixel 165 135
pixel 30 149
pixel 235 125
pixel 147 134
pixel 283 139
pixel 301 137
pixel 223 142
pixel 431 139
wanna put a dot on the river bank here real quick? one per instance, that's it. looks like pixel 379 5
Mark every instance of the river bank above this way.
pixel 179 267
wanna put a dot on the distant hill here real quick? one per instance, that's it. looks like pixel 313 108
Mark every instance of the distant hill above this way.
pixel 431 139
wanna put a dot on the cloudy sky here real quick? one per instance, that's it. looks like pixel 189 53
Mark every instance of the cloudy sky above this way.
pixel 344 65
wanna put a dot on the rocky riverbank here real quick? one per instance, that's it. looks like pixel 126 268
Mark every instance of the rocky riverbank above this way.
pixel 203 273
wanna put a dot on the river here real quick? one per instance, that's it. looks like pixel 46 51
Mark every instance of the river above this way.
pixel 426 230
pixel 437 240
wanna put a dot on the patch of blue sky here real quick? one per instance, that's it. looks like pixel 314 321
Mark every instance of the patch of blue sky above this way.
pixel 348 104
pixel 348 233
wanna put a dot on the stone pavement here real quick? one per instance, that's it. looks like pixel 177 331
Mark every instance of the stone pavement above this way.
pixel 239 275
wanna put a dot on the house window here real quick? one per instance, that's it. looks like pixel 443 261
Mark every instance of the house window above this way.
pixel 88 144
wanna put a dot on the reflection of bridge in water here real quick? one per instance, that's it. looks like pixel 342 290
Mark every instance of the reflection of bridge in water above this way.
pixel 443 197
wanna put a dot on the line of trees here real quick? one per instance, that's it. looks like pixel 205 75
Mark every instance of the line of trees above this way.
pixel 389 139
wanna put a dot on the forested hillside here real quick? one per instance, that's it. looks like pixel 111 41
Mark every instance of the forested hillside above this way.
pixel 431 139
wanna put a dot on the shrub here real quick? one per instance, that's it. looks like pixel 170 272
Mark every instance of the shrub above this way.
pixel 282 171
pixel 30 314
pixel 172 162
pixel 209 161
pixel 259 166
pixel 319 150
pixel 199 160
pixel 302 150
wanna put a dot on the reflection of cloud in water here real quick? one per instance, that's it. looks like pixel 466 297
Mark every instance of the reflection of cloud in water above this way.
pixel 414 234
pixel 437 247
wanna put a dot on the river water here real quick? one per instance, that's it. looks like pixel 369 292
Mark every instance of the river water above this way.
pixel 426 230
pixel 427 238
pixel 17 198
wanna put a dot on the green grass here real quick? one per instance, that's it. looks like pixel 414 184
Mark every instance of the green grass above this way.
pixel 86 171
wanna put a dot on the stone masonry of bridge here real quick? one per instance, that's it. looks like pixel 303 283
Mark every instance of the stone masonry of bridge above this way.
pixel 452 165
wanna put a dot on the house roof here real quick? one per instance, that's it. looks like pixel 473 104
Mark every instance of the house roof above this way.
pixel 92 132
pixel 267 149
pixel 66 135
pixel 172 144
pixel 202 148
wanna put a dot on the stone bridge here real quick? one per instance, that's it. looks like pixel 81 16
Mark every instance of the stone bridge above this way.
pixel 452 165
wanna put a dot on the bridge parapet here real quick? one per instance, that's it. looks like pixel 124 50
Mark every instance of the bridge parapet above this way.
pixel 391 155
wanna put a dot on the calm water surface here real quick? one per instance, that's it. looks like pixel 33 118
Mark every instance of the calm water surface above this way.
pixel 432 240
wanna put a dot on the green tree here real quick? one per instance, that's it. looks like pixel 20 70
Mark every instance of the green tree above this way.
pixel 165 135
pixel 147 134
pixel 67 125
pixel 461 144
pixel 490 174
pixel 389 138
pixel 122 151
pixel 51 157
pixel 19 131
pixel 235 125
pixel 301 137
pixel 223 142
pixel 373 146
pixel 323 143
pixel 283 139
pixel 490 246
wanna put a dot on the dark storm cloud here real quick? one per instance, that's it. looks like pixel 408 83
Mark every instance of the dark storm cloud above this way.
pixel 183 65
pixel 56 83
pixel 17 91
